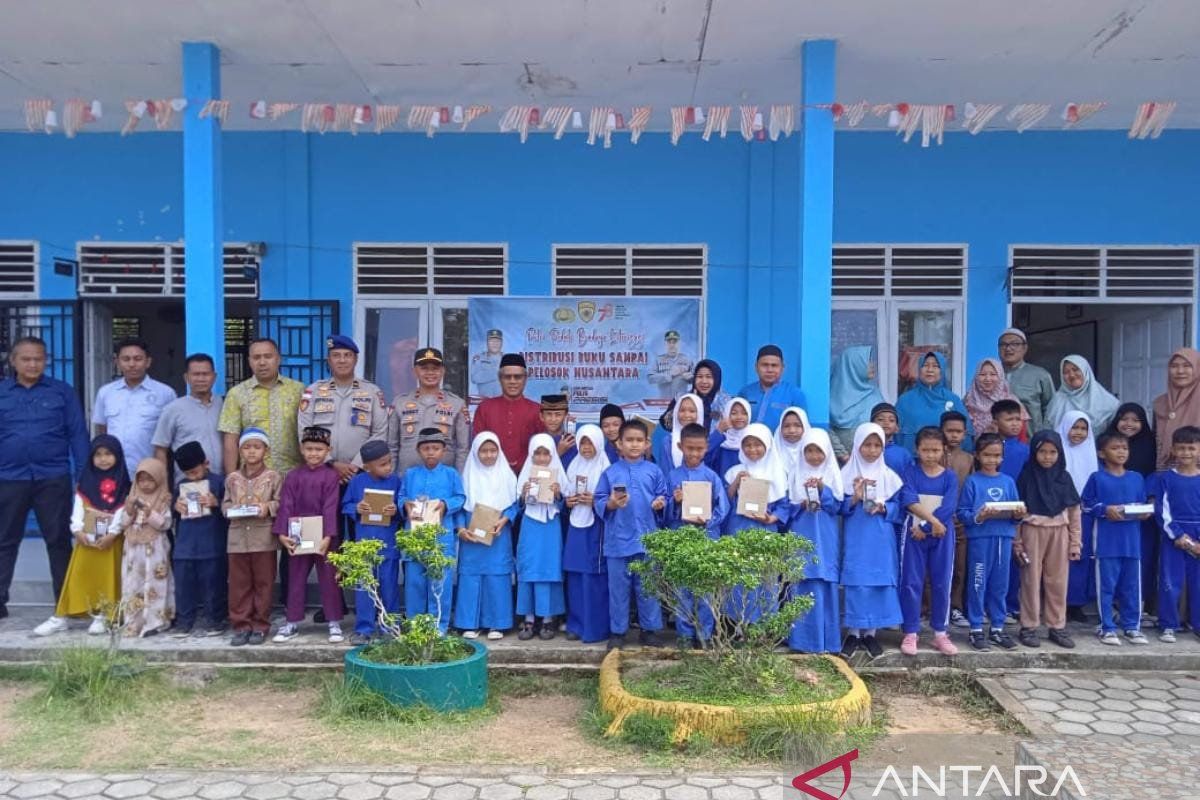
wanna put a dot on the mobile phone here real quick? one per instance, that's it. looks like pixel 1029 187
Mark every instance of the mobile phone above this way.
pixel 619 489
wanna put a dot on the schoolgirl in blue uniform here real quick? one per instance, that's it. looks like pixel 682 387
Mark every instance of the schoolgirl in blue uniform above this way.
pixel 1179 516
pixel 540 549
pixel 1079 448
pixel 733 427
pixel 584 568
pixel 817 476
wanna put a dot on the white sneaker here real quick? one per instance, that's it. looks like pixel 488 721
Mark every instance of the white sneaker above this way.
pixel 958 619
pixel 51 626
pixel 1136 637
pixel 286 633
pixel 1167 636
pixel 1110 638
pixel 335 633
pixel 470 634
pixel 495 635
pixel 99 626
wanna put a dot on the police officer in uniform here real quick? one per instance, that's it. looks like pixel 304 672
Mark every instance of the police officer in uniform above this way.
pixel 429 406
pixel 485 366
pixel 672 370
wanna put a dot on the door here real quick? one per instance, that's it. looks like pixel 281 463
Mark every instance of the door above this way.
pixel 98 354
pixel 1143 342
pixel 300 329
pixel 390 332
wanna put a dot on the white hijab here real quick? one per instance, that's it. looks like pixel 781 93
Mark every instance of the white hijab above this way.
pixel 733 436
pixel 592 468
pixel 1081 458
pixel 676 453
pixel 887 483
pixel 828 473
pixel 542 512
pixel 768 468
pixel 494 486
pixel 792 455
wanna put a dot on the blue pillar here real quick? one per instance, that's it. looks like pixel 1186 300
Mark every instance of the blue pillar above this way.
pixel 758 254
pixel 819 70
pixel 204 296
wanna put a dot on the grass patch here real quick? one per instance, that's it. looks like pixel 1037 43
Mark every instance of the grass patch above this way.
pixel 351 703
pixel 520 685
pixel 771 679
pixel 405 653
pixel 95 684
pixel 960 688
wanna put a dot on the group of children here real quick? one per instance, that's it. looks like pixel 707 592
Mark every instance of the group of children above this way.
pixel 1014 528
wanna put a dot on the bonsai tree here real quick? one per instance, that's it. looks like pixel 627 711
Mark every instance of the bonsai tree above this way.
pixel 737 578
pixel 416 640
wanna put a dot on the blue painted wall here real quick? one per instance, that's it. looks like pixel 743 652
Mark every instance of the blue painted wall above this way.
pixel 311 197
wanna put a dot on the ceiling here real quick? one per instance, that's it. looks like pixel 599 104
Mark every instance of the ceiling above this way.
pixel 605 52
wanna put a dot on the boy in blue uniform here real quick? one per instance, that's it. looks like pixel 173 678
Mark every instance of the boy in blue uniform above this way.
pixel 1117 542
pixel 990 537
pixel 199 561
pixel 1179 516
pixel 441 486
pixel 630 495
pixel 1006 415
pixel 895 456
pixel 554 414
pixel 693 443
pixel 376 474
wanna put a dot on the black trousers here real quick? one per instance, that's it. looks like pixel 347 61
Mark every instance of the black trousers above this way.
pixel 200 583
pixel 51 500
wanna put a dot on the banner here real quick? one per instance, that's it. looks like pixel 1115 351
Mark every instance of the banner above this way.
pixel 637 352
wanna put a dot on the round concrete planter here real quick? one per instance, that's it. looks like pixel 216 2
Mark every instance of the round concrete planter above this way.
pixel 450 686
pixel 725 724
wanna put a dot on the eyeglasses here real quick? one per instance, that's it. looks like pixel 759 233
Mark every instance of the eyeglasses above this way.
pixel 1017 345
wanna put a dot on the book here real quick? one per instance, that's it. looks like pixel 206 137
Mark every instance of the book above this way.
pixel 377 500
pixel 95 523
pixel 1005 505
pixel 191 492
pixel 241 512
pixel 306 532
pixel 425 512
pixel 697 500
pixel 541 486
pixel 1133 509
pixel 752 496
pixel 483 520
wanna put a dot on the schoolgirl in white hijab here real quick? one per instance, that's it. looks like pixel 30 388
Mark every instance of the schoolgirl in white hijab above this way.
pixel 733 436
pixel 768 468
pixel 494 486
pixel 677 426
pixel 887 482
pixel 542 512
pixel 592 468
pixel 828 472
pixel 1081 458
pixel 791 453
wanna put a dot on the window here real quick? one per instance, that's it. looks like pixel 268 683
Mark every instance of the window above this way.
pixel 902 301
pixel 18 270
pixel 430 269
pixel 121 269
pixel 630 270
pixel 1081 275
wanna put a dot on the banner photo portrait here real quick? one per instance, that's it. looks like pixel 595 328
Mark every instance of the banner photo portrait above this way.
pixel 636 352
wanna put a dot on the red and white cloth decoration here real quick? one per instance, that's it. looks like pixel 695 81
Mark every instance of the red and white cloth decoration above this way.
pixel 162 111
pixel 718 120
pixel 930 118
pixel 1150 120
pixel 277 110
pixel 1026 115
pixel 343 116
pixel 316 117
pixel 77 113
pixel 217 109
pixel 362 115
pixel 473 113
pixel 855 113
pixel 428 118
pixel 517 119
pixel 976 116
pixel 638 120
pixel 601 124
pixel 137 110
pixel 1075 113
pixel 748 113
pixel 37 115
pixel 783 121
pixel 556 117
pixel 386 116
pixel 258 109
pixel 679 120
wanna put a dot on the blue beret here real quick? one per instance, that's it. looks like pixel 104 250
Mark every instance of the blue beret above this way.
pixel 340 342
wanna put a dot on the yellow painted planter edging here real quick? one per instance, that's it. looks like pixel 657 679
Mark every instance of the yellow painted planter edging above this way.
pixel 724 724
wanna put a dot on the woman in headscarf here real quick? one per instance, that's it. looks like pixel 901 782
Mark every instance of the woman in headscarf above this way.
pixel 923 404
pixel 583 563
pixel 1079 449
pixel 988 387
pixel 1080 391
pixel 706 382
pixel 1131 422
pixel 148 585
pixel 852 395
pixel 1180 405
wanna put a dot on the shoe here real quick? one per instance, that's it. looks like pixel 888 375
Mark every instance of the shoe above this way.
pixel 1075 614
pixel 547 633
pixel 1110 638
pixel 256 637
pixel 650 639
pixel 616 642
pixel 873 647
pixel 286 633
pixel 217 630
pixel 1029 637
pixel 240 638
pixel 1011 618
pixel 495 636
pixel 359 639
pixel 908 645
pixel 465 635
pixel 1167 636
pixel 850 646
pixel 335 633
pixel 1136 637
pixel 979 641
pixel 1061 638
pixel 571 636
pixel 998 637
pixel 942 643
pixel 181 633
pixel 199 632
pixel 319 616
pixel 526 632
pixel 958 619
pixel 99 626
pixel 51 626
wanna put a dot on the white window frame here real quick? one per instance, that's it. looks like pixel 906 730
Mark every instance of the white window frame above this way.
pixel 171 254
pixel 429 268
pixel 37 271
pixel 1101 298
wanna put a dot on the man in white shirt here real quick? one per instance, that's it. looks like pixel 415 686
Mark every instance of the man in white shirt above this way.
pixel 193 417
pixel 129 407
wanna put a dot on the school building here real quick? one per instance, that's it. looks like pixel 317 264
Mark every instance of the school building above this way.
pixel 207 233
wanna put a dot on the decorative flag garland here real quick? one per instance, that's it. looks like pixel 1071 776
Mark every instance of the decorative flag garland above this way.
pixel 517 119
pixel 783 121
pixel 1075 113
pixel 1150 120
pixel 976 116
pixel 428 118
pixel 718 120
pixel 638 121
pixel 1026 115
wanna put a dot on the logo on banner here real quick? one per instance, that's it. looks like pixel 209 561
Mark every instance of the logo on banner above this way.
pixel 564 314
pixel 587 310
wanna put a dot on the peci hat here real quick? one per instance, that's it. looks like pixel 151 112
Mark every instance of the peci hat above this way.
pixel 512 360
pixel 611 410
pixel 428 435
pixel 189 455
pixel 340 342
pixel 372 450
pixel 317 434
pixel 428 355
pixel 554 402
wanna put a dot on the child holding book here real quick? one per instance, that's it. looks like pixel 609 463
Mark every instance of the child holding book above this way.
pixel 378 477
pixel 584 570
pixel 251 504
pixel 1179 517
pixel 147 584
pixel 200 560
pixel 539 551
pixel 485 568
pixel 815 499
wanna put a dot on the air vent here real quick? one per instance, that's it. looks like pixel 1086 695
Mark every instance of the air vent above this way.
pixel 626 270
pixel 108 269
pixel 382 269
pixel 1102 274
pixel 18 269
pixel 899 271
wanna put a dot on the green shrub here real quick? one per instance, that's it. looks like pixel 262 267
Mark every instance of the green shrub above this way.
pixel 95 682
